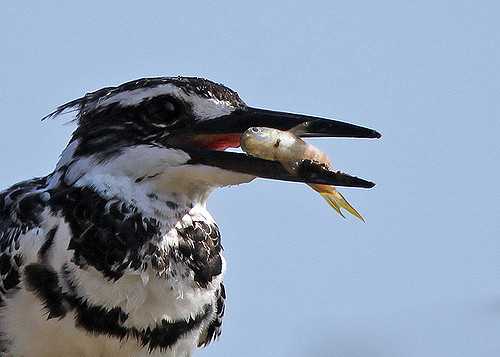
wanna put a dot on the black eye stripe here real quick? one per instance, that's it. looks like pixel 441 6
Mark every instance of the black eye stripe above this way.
pixel 164 111
pixel 161 106
pixel 116 126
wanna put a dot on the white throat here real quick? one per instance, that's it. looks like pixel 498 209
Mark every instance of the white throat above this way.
pixel 140 174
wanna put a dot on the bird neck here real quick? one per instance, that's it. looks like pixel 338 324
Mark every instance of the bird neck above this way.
pixel 149 178
pixel 144 176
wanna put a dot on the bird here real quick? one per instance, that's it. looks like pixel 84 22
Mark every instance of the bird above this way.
pixel 114 253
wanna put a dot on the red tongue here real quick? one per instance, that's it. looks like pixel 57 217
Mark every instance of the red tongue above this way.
pixel 217 141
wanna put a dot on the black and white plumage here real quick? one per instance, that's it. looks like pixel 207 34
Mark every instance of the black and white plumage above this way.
pixel 114 253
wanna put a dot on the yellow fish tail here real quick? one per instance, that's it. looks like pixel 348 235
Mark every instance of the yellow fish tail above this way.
pixel 336 200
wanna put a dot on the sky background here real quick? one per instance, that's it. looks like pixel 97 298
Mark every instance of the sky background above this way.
pixel 422 276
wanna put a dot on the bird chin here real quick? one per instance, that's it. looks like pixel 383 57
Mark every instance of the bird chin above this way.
pixel 198 181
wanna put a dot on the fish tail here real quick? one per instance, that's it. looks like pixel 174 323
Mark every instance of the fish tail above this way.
pixel 337 201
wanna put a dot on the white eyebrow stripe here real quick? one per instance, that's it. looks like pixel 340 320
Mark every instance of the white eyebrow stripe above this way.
pixel 136 96
pixel 203 108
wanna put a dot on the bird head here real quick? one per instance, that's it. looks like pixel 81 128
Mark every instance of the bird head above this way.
pixel 173 131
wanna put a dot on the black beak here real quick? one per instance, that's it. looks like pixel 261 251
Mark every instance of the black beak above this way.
pixel 206 139
pixel 308 173
pixel 241 120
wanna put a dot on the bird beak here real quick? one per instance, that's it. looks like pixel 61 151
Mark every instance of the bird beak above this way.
pixel 241 120
pixel 206 140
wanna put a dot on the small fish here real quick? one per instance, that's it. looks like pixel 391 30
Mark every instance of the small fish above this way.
pixel 290 151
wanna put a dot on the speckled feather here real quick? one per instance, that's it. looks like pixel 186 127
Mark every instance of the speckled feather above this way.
pixel 110 237
pixel 99 246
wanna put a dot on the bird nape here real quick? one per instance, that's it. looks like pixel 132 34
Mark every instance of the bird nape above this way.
pixel 114 252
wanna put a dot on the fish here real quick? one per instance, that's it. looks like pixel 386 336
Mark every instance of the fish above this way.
pixel 290 150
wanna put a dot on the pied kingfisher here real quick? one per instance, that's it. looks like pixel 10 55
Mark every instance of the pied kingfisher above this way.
pixel 114 252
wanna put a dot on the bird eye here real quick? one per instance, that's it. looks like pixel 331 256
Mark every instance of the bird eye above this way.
pixel 169 106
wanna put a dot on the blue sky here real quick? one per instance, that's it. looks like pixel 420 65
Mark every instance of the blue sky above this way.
pixel 422 276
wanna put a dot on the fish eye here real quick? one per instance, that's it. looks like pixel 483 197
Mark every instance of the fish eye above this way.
pixel 255 130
